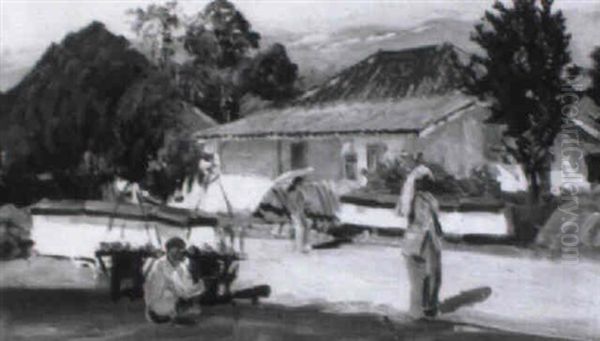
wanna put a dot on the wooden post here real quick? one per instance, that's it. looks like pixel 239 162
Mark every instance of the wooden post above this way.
pixel 279 158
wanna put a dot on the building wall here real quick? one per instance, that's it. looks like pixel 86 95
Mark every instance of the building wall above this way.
pixel 270 157
pixel 459 145
pixel 395 145
pixel 252 157
pixel 326 157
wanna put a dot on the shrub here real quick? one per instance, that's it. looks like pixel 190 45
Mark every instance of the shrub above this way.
pixel 391 174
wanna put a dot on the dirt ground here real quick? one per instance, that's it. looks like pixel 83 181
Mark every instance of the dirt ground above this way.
pixel 356 292
pixel 76 314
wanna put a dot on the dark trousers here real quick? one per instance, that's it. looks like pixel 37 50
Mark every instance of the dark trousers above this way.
pixel 425 282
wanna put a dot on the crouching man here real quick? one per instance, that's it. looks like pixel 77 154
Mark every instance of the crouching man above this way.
pixel 168 286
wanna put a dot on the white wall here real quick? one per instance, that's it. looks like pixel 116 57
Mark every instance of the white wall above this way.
pixel 458 146
pixel 249 157
pixel 80 236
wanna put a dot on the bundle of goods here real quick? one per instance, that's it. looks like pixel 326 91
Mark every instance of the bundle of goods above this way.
pixel 123 264
pixel 218 269
pixel 321 205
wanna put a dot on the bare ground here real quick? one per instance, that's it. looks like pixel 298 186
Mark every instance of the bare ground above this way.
pixel 76 314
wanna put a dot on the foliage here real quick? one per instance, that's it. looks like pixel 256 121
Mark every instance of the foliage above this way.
pixel 145 114
pixel 271 75
pixel 155 143
pixel 595 73
pixel 522 73
pixel 232 31
pixel 176 167
pixel 211 55
pixel 392 174
pixel 91 109
pixel 65 108
pixel 156 26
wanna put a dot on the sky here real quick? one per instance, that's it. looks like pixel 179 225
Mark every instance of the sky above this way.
pixel 27 27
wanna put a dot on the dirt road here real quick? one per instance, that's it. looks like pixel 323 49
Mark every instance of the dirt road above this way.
pixel 71 314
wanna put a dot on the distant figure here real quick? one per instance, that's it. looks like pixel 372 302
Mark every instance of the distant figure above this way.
pixel 209 170
pixel 363 180
pixel 169 284
pixel 296 207
pixel 422 250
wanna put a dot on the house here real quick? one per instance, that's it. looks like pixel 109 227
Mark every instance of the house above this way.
pixel 577 149
pixel 390 104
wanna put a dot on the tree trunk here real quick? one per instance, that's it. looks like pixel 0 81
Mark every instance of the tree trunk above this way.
pixel 534 188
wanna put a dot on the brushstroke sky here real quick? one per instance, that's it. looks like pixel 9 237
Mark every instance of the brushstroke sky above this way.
pixel 26 23
pixel 27 27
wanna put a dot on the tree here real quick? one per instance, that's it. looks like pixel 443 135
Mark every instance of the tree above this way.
pixel 155 144
pixel 270 75
pixel 232 31
pixel 157 26
pixel 214 57
pixel 521 74
pixel 92 109
pixel 66 106
pixel 595 73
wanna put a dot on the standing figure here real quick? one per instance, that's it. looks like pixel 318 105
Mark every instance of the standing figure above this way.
pixel 209 169
pixel 295 206
pixel 422 249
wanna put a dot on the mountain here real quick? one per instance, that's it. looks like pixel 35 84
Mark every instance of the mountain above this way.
pixel 320 55
pixel 323 54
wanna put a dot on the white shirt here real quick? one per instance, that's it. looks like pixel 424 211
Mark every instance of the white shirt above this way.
pixel 166 284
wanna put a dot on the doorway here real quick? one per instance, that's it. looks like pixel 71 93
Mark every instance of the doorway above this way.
pixel 299 158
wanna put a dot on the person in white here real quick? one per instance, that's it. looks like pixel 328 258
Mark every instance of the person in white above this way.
pixel 296 206
pixel 422 249
pixel 168 282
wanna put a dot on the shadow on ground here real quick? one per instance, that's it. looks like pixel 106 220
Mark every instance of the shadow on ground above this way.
pixel 66 314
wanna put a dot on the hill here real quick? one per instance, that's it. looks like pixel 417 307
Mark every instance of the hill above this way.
pixel 323 54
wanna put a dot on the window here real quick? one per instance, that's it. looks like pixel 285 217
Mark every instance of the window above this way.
pixel 375 154
pixel 593 166
pixel 350 165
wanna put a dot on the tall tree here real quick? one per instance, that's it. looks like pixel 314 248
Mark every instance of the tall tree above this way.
pixel 214 56
pixel 157 27
pixel 595 73
pixel 232 31
pixel 270 75
pixel 68 103
pixel 91 109
pixel 521 74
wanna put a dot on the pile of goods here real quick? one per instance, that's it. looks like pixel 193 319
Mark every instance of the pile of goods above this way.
pixel 217 268
pixel 15 233
pixel 124 266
